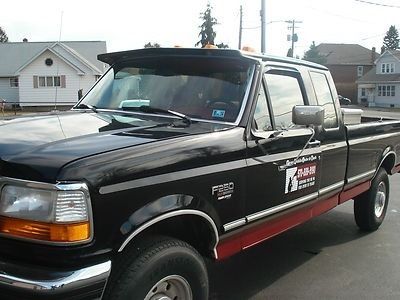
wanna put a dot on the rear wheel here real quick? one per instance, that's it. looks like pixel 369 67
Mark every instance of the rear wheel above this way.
pixel 159 269
pixel 370 207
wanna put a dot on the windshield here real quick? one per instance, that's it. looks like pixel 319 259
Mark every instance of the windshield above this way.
pixel 202 88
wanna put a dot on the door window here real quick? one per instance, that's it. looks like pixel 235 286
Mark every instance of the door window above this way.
pixel 262 120
pixel 325 99
pixel 284 93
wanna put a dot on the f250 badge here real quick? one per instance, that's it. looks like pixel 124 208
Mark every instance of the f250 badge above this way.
pixel 223 191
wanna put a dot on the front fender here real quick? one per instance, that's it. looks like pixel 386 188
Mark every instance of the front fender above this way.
pixel 167 207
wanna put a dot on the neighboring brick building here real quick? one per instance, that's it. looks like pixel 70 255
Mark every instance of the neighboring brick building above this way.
pixel 347 63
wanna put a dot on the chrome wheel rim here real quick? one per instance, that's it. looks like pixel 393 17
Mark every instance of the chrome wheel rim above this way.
pixel 380 199
pixel 172 287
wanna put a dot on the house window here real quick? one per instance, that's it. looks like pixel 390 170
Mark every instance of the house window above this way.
pixel 14 82
pixel 363 93
pixel 49 81
pixel 360 71
pixel 42 81
pixel 387 90
pixel 57 81
pixel 387 68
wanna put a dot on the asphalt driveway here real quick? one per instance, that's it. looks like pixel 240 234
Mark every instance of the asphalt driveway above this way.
pixel 325 258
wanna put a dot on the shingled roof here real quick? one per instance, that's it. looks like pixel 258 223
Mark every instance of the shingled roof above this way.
pixel 372 77
pixel 14 56
pixel 346 54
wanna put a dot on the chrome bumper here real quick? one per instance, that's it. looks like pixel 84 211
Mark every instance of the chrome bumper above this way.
pixel 85 282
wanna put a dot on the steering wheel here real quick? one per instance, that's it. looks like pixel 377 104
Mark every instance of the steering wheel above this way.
pixel 228 103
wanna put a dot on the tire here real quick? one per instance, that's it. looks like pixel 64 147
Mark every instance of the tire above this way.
pixel 370 207
pixel 159 267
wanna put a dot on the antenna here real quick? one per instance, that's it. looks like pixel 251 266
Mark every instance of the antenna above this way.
pixel 57 73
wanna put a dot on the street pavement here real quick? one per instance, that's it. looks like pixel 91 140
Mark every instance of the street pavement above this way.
pixel 325 258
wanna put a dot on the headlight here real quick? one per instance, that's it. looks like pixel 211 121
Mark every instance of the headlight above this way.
pixel 54 213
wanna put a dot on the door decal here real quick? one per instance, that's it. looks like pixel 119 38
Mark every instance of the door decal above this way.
pixel 300 174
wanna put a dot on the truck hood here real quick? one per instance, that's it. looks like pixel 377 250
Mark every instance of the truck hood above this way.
pixel 36 148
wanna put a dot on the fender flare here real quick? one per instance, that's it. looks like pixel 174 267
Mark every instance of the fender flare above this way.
pixel 173 214
pixel 385 155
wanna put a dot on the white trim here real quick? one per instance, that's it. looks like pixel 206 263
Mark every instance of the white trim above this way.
pixel 172 214
pixel 383 159
pixel 279 208
pixel 234 224
pixel 331 188
pixel 77 55
pixel 361 176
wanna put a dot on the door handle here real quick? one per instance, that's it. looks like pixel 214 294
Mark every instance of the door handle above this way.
pixel 313 144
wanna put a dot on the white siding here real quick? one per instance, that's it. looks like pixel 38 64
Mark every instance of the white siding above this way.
pixel 387 58
pixel 6 92
pixel 30 96
pixel 388 101
pixel 87 82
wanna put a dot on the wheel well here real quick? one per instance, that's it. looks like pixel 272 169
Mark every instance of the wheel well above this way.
pixel 389 162
pixel 193 229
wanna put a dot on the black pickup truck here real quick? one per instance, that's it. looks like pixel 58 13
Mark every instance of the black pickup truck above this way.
pixel 173 157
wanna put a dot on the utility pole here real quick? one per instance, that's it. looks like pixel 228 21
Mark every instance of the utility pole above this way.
pixel 240 27
pixel 262 14
pixel 293 36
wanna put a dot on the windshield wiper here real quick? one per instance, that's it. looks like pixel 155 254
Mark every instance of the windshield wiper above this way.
pixel 151 109
pixel 87 106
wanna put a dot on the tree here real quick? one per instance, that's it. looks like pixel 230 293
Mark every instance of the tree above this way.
pixel 3 36
pixel 313 55
pixel 222 46
pixel 289 53
pixel 391 40
pixel 150 45
pixel 207 33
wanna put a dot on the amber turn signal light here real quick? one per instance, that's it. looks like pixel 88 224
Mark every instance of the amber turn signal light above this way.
pixel 49 232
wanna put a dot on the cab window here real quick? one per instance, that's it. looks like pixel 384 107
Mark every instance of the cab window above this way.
pixel 324 98
pixel 262 120
pixel 284 93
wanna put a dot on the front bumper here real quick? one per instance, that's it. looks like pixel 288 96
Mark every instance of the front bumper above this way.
pixel 28 282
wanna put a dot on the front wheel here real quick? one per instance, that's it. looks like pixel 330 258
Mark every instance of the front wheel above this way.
pixel 370 207
pixel 162 268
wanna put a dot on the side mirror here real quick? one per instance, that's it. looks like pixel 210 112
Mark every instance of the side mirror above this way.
pixel 308 115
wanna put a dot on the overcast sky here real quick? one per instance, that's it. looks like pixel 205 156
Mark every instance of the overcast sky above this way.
pixel 130 24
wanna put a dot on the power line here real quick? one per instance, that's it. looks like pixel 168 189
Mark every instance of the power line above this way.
pixel 377 4
pixel 338 15
pixel 255 27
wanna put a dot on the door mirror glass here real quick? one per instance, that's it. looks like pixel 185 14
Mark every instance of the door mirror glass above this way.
pixel 308 115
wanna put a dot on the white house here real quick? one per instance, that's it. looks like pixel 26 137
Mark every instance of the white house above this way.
pixel 381 85
pixel 45 73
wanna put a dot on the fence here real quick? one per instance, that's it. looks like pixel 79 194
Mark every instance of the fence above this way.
pixel 12 109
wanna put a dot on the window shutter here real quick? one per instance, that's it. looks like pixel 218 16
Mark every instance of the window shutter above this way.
pixel 63 83
pixel 35 82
